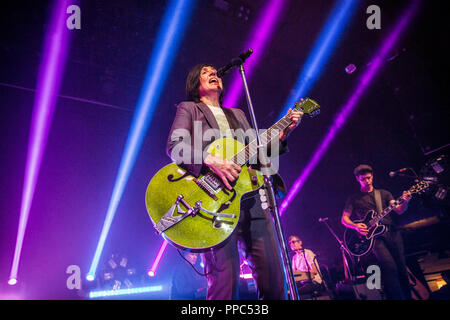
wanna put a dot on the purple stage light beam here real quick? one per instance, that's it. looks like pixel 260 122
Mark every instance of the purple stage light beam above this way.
pixel 260 35
pixel 345 112
pixel 162 249
pixel 49 80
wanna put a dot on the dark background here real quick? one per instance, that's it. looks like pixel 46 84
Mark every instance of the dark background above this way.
pixel 402 116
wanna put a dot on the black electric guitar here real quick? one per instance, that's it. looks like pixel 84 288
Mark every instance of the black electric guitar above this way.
pixel 358 244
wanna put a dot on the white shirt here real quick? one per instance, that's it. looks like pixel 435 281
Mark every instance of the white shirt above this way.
pixel 221 119
pixel 299 263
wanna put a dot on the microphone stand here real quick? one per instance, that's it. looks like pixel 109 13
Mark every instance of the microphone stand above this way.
pixel 316 264
pixel 270 192
pixel 401 174
pixel 307 264
pixel 347 272
pixel 310 281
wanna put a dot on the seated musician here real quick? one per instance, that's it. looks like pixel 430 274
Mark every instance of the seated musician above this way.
pixel 304 263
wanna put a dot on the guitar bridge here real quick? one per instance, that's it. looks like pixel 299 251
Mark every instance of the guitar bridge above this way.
pixel 210 184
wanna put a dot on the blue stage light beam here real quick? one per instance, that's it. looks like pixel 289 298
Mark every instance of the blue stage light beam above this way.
pixel 321 51
pixel 171 30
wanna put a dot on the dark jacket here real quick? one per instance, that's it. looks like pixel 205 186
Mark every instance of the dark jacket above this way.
pixel 194 118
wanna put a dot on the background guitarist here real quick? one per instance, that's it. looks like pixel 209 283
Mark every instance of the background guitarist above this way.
pixel 254 234
pixel 387 248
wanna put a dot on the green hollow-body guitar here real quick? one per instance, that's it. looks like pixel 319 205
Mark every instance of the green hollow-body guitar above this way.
pixel 199 213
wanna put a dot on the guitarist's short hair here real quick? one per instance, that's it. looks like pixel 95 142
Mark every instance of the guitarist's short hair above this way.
pixel 362 169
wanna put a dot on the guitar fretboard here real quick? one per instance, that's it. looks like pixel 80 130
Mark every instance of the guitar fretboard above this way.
pixel 417 188
pixel 378 216
pixel 250 151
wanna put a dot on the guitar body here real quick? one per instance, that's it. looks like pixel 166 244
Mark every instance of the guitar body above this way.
pixel 356 243
pixel 359 245
pixel 201 231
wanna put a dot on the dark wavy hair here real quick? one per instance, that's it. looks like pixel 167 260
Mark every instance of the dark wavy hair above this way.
pixel 193 83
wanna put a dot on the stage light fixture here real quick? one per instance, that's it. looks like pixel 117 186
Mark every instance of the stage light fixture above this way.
pixel 172 28
pixel 120 292
pixel 90 277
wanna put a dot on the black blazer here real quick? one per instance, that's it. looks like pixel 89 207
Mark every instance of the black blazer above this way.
pixel 194 118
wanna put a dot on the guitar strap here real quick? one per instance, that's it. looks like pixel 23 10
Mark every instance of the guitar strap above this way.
pixel 377 195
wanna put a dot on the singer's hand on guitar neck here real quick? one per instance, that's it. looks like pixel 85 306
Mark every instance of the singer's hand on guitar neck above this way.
pixel 228 171
pixel 295 115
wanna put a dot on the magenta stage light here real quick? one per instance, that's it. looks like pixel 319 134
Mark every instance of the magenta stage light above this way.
pixel 260 35
pixel 349 107
pixel 162 249
pixel 49 80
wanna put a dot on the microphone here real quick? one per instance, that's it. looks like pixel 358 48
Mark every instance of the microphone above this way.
pixel 394 173
pixel 234 62
pixel 323 219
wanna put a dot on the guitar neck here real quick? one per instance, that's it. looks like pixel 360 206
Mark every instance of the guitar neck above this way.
pixel 388 209
pixel 250 151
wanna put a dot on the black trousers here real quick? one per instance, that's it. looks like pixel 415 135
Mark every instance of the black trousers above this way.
pixel 389 251
pixel 256 240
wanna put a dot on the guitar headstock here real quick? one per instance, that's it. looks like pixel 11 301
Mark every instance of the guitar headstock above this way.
pixel 420 187
pixel 308 106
